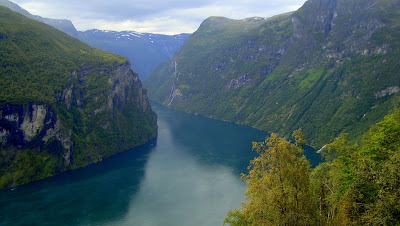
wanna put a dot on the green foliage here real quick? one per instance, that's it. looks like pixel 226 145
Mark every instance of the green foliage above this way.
pixel 383 140
pixel 278 187
pixel 311 79
pixel 299 71
pixel 38 59
pixel 359 186
pixel 39 65
pixel 20 167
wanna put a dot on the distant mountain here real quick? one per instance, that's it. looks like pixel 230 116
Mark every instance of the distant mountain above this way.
pixel 62 25
pixel 63 104
pixel 144 50
pixel 330 67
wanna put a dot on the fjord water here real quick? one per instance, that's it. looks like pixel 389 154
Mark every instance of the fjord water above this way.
pixel 189 175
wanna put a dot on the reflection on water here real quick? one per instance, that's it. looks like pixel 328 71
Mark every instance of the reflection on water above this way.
pixel 184 183
pixel 190 175
pixel 89 195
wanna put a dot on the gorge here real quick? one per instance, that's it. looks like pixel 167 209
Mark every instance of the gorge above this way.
pixel 81 144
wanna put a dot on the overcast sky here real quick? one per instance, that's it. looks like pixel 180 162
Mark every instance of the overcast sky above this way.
pixel 154 16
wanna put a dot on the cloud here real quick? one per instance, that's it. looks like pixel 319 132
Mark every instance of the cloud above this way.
pixel 161 25
pixel 159 16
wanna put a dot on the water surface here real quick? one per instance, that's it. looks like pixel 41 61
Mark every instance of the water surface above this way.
pixel 189 175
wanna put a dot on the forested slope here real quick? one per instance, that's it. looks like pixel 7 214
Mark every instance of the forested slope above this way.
pixel 330 67
pixel 63 104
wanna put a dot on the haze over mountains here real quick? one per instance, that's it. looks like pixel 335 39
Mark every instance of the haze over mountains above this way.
pixel 61 24
pixel 144 51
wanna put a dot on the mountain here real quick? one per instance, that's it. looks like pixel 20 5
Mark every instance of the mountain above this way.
pixel 144 50
pixel 63 104
pixel 330 67
pixel 62 25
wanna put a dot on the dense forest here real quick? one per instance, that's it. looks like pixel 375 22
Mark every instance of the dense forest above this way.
pixel 357 184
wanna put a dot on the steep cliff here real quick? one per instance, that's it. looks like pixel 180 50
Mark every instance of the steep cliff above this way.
pixel 330 67
pixel 63 104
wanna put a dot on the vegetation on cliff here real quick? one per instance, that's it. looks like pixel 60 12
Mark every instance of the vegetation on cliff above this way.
pixel 330 67
pixel 63 104
pixel 37 59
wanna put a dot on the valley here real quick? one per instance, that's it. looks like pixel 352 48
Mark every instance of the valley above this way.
pixel 291 118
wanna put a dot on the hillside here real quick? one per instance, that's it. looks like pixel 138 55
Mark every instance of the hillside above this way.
pixel 61 24
pixel 330 67
pixel 63 104
pixel 144 50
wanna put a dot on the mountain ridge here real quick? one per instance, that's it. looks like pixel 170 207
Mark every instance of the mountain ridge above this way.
pixel 144 50
pixel 143 53
pixel 319 68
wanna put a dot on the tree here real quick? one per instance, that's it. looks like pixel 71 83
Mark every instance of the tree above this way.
pixel 361 185
pixel 377 188
pixel 279 191
pixel 358 184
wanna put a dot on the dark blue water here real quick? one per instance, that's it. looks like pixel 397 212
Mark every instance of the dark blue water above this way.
pixel 189 175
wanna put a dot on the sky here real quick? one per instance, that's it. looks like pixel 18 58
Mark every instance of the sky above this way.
pixel 153 16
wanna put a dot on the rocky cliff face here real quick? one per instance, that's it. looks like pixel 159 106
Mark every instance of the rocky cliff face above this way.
pixel 329 67
pixel 23 126
pixel 20 124
pixel 63 104
pixel 345 27
pixel 46 130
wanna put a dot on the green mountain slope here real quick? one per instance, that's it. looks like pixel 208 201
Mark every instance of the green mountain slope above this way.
pixel 330 67
pixel 63 104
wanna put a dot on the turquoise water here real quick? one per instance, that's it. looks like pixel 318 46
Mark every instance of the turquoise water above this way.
pixel 189 175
